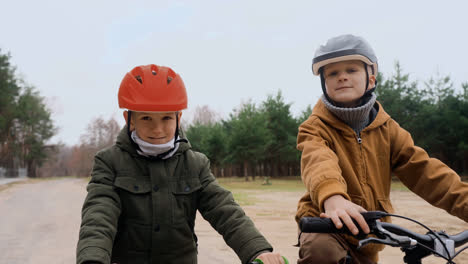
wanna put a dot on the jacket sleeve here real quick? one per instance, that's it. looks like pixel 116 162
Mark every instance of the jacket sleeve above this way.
pixel 100 214
pixel 218 207
pixel 428 177
pixel 320 169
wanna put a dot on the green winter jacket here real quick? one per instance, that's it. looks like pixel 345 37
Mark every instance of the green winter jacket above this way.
pixel 140 210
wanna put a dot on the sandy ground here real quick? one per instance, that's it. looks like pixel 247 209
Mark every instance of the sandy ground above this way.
pixel 40 222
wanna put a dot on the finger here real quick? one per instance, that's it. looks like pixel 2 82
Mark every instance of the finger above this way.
pixel 361 221
pixel 271 258
pixel 347 220
pixel 336 221
pixel 324 215
pixel 361 210
pixel 278 259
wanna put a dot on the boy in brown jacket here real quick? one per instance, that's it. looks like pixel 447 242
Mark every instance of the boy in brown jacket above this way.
pixel 350 147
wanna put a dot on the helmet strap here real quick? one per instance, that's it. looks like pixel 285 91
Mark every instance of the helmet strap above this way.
pixel 367 93
pixel 367 77
pixel 324 88
pixel 176 136
pixel 129 133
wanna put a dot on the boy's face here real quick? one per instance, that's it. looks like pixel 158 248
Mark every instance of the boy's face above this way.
pixel 154 128
pixel 345 82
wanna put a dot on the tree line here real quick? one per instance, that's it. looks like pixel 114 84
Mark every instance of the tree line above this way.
pixel 77 160
pixel 25 123
pixel 435 113
pixel 256 139
pixel 253 140
pixel 261 140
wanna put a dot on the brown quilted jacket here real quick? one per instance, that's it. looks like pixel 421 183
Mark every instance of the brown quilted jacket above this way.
pixel 359 167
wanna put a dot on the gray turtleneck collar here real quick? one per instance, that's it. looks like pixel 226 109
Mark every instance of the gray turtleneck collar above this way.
pixel 356 117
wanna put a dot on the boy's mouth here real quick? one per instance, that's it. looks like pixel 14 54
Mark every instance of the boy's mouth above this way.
pixel 343 87
pixel 156 138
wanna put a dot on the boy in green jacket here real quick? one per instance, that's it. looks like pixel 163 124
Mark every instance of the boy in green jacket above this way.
pixel 146 189
pixel 350 147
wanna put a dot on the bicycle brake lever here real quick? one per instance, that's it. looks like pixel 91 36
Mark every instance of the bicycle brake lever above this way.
pixel 390 238
pixel 386 241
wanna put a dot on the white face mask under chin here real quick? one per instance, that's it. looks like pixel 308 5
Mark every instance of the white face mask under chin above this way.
pixel 148 149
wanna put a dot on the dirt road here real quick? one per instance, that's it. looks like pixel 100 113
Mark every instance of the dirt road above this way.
pixel 40 222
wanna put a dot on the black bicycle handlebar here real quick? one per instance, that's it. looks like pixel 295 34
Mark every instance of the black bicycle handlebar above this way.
pixel 326 225
pixel 425 239
pixel 415 245
pixel 459 239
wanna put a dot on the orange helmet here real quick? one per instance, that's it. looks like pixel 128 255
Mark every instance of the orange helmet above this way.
pixel 152 88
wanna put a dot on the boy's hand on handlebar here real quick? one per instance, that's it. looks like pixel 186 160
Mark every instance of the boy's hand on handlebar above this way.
pixel 271 258
pixel 342 211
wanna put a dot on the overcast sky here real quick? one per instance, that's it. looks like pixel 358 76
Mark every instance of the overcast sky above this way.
pixel 77 52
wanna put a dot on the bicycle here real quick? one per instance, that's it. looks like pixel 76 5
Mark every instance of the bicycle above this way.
pixel 258 261
pixel 415 246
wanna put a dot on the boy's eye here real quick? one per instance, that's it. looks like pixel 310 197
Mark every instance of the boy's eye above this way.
pixel 146 118
pixel 167 118
pixel 351 70
pixel 332 73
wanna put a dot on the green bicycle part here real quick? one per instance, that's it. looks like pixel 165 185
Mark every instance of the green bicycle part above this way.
pixel 259 261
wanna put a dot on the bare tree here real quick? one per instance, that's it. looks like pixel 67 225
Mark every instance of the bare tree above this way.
pixel 100 133
pixel 205 116
pixel 78 160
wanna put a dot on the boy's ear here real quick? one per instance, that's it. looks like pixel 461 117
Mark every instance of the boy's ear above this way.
pixel 180 115
pixel 371 81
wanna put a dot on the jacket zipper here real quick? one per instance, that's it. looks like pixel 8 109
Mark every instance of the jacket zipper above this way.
pixel 359 140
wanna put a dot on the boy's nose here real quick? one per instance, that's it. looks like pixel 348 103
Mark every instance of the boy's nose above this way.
pixel 342 76
pixel 156 128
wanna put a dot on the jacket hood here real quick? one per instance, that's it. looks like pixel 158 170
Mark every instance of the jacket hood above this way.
pixel 123 142
pixel 328 117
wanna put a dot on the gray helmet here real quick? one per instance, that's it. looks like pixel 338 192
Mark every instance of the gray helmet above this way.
pixel 344 48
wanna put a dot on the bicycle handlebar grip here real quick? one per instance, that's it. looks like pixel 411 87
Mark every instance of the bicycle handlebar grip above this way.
pixel 319 225
pixel 326 225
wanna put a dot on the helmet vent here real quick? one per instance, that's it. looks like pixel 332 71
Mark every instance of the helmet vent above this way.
pixel 138 77
pixel 153 72
pixel 169 79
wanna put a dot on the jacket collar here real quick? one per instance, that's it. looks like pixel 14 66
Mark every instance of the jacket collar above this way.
pixel 328 117
pixel 124 143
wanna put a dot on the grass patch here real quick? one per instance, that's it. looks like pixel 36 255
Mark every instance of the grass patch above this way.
pixel 399 186
pixel 241 188
pixel 265 214
pixel 243 198
pixel 243 191
pixel 287 184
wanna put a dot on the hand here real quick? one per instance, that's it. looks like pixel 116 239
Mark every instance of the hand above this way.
pixel 271 258
pixel 339 209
